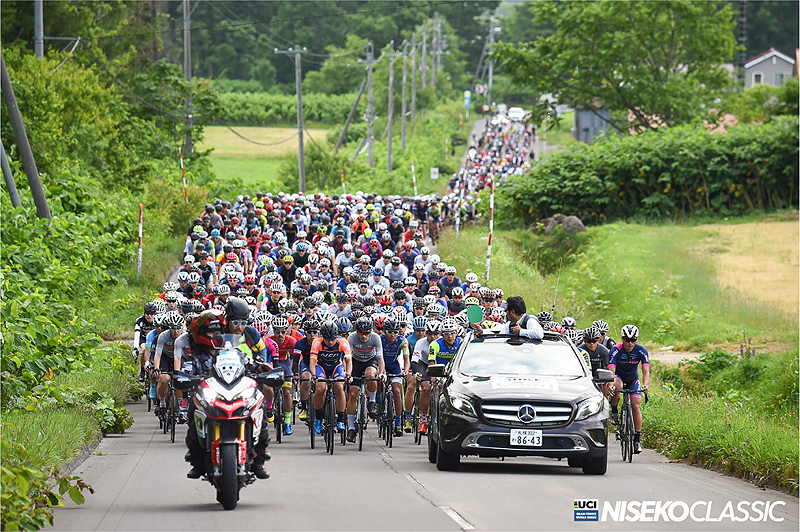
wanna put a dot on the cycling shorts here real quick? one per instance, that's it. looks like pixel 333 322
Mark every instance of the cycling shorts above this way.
pixel 359 368
pixel 330 372
pixel 286 366
pixel 631 381
pixel 303 368
pixel 167 363
pixel 394 369
pixel 421 368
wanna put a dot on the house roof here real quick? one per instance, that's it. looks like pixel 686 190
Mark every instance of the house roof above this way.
pixel 763 56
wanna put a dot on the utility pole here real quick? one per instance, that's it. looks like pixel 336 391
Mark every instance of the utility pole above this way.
pixel 404 107
pixel 370 61
pixel 424 67
pixel 414 78
pixel 23 145
pixel 298 80
pixel 187 73
pixel 392 55
pixel 350 117
pixel 742 38
pixel 38 28
pixel 491 63
pixel 434 50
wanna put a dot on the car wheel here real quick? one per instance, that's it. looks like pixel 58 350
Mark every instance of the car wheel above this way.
pixel 447 461
pixel 574 461
pixel 432 448
pixel 596 466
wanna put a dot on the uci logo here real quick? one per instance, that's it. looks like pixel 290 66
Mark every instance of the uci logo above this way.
pixel 585 510
pixel 585 504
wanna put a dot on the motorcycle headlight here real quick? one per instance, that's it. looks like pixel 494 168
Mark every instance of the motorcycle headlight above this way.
pixel 462 403
pixel 589 407
pixel 209 395
pixel 246 394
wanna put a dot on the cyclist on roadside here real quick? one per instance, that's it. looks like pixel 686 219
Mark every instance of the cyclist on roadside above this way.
pixel 143 325
pixel 598 354
pixel 624 362
pixel 603 328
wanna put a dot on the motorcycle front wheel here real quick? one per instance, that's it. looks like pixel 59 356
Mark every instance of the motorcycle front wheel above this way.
pixel 229 486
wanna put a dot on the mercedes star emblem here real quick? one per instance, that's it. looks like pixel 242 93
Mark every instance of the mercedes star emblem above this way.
pixel 526 413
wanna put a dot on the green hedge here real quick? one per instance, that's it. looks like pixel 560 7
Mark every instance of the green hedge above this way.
pixel 262 108
pixel 672 173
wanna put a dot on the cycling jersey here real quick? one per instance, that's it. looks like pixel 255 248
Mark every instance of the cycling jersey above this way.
pixel 140 330
pixel 252 345
pixel 302 349
pixel 392 352
pixel 286 348
pixel 441 353
pixel 598 357
pixel 626 364
pixel 330 355
pixel 364 351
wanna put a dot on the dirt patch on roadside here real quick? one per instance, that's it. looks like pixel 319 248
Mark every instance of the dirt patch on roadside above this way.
pixel 759 260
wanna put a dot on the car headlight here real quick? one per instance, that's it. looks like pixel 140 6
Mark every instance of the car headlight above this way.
pixel 589 407
pixel 462 403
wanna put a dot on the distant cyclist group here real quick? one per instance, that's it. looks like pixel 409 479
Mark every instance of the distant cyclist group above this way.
pixel 346 291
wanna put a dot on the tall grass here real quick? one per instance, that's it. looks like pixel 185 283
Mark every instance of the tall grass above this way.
pixel 737 438
pixel 52 435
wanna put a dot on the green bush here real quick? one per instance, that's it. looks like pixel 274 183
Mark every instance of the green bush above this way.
pixel 546 252
pixel 671 173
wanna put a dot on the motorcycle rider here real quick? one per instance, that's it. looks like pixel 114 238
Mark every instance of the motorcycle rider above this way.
pixel 201 349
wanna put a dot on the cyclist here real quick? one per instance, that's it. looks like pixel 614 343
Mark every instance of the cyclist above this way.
pixel 598 354
pixel 302 350
pixel 164 359
pixel 330 359
pixel 603 328
pixel 394 345
pixel 286 345
pixel 624 362
pixel 442 350
pixel 419 366
pixel 367 351
pixel 143 325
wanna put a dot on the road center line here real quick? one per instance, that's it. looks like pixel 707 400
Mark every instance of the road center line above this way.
pixel 415 481
pixel 455 516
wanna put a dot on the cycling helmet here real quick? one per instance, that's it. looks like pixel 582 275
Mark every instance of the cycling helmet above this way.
pixel 457 291
pixel 344 325
pixel 159 320
pixel 238 244
pixel 173 320
pixel 449 325
pixel 291 306
pixel 249 279
pixel 231 257
pixel 568 322
pixel 429 299
pixel 434 290
pixel 223 289
pixel 300 293
pixel 471 277
pixel 261 322
pixel 280 323
pixel 390 325
pixel 379 320
pixel 450 270
pixel 433 326
pixel 410 281
pixel 435 259
pixel 424 250
pixel 207 327
pixel 631 332
pixel 498 292
pixel 420 322
pixel 161 306
pixel 237 309
pixel 341 297
pixel 474 287
pixel 419 267
pixel 183 276
pixel 591 333
pixel 462 319
pixel 378 290
pixel 368 301
pixel 150 308
pixel 400 314
pixel 325 261
pixel 329 330
pixel 348 270
pixel 470 301
pixel 277 286
pixel 544 317
pixel 486 293
pixel 601 326
pixel 242 292
pixel 574 336
pixel 418 302
pixel 363 324
pixel 385 301
pixel 311 326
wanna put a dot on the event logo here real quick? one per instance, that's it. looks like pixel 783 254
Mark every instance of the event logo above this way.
pixel 697 511
pixel 585 510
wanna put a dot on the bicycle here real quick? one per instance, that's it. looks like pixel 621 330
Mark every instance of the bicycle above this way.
pixel 361 410
pixel 168 417
pixel 329 422
pixel 386 415
pixel 295 396
pixel 311 410
pixel 625 430
pixel 415 415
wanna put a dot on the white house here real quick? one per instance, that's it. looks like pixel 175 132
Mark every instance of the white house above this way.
pixel 770 67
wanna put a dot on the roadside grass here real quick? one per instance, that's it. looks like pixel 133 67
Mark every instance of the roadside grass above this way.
pixel 739 438
pixel 561 134
pixel 118 305
pixel 225 143
pixel 52 435
pixel 257 173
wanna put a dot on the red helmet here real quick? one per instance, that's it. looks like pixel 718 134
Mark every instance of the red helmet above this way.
pixel 249 279
pixel 408 245
pixel 230 257
pixel 385 301
pixel 207 327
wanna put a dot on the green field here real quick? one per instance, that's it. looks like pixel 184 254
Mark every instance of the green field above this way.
pixel 256 165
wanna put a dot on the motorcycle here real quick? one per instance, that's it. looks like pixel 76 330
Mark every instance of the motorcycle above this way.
pixel 228 417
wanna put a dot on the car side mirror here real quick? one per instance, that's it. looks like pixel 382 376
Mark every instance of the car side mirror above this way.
pixel 272 378
pixel 603 375
pixel 436 370
pixel 184 381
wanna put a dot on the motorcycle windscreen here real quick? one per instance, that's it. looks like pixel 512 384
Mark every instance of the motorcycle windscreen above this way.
pixel 229 364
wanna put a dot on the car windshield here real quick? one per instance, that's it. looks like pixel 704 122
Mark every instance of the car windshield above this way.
pixel 530 358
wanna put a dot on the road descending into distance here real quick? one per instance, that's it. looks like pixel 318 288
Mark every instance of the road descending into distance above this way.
pixel 140 482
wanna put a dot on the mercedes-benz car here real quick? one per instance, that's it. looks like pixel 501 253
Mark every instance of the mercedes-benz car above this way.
pixel 507 396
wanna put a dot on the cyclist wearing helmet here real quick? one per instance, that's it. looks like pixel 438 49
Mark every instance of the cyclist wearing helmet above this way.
pixel 302 351
pixel 286 345
pixel 367 350
pixel 395 346
pixel 520 322
pixel 377 278
pixel 164 359
pixel 143 325
pixel 598 354
pixel 443 350
pixel 419 366
pixel 602 327
pixel 449 281
pixel 341 309
pixel 330 359
pixel 624 362
pixel 568 323
pixel 456 304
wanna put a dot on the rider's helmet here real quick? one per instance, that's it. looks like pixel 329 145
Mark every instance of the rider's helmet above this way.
pixel 237 309
pixel 568 322
pixel 363 324
pixel 601 326
pixel 631 332
pixel 207 327
pixel 329 330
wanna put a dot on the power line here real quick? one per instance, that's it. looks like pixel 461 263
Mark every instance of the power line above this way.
pixel 260 143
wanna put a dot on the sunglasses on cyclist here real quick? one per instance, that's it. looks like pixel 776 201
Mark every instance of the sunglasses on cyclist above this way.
pixel 176 328
pixel 629 340
pixel 591 341
pixel 238 322
pixel 149 314
pixel 249 284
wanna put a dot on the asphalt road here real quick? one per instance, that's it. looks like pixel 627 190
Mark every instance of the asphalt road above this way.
pixel 140 482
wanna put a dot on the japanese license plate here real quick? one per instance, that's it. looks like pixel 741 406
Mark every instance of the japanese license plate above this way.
pixel 526 438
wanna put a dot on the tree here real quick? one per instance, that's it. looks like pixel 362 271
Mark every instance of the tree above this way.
pixel 650 63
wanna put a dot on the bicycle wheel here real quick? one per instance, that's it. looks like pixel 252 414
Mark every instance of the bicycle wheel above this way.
pixel 295 399
pixel 389 400
pixel 147 391
pixel 331 416
pixel 173 414
pixel 415 416
pixel 630 431
pixel 278 409
pixel 622 432
pixel 311 417
pixel 361 418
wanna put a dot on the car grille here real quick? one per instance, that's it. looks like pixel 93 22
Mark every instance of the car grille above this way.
pixel 548 414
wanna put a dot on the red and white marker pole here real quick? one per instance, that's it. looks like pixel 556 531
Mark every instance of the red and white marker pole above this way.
pixel 491 230
pixel 341 176
pixel 139 266
pixel 183 175
pixel 414 177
